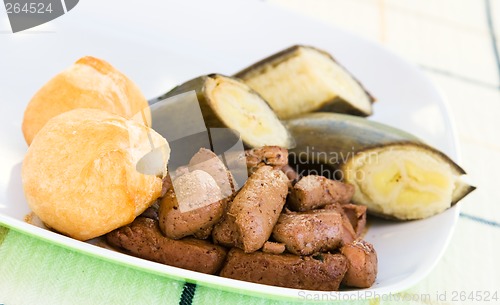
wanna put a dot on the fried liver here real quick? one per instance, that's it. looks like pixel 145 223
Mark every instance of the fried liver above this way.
pixel 324 272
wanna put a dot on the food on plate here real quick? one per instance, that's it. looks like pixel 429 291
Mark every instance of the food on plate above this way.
pixel 177 219
pixel 321 194
pixel 362 264
pixel 255 209
pixel 307 233
pixel 393 173
pixel 273 247
pixel 323 272
pixel 313 191
pixel 79 173
pixel 353 220
pixel 89 83
pixel 405 180
pixel 152 211
pixel 167 183
pixel 274 156
pixel 229 103
pixel 357 217
pixel 225 233
pixel 207 161
pixel 98 172
pixel 179 171
pixel 144 239
pixel 304 79
pixel 269 244
pixel 207 182
pixel 292 175
pixel 203 233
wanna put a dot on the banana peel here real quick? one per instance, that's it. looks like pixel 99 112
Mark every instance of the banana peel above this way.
pixel 394 173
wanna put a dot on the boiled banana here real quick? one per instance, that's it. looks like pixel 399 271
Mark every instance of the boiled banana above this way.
pixel 226 102
pixel 394 174
pixel 405 180
pixel 304 79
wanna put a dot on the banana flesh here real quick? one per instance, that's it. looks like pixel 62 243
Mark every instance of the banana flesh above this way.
pixel 304 79
pixel 403 180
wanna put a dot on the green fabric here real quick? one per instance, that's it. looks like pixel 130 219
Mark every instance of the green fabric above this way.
pixel 73 278
pixel 3 234
pixel 33 271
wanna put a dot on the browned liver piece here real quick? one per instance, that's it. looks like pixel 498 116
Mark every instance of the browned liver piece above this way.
pixel 273 247
pixel 357 217
pixel 286 270
pixel 307 233
pixel 254 211
pixel 362 264
pixel 312 192
pixel 290 172
pixel 143 239
pixel 208 161
pixel 177 224
pixel 274 156
pixel 353 220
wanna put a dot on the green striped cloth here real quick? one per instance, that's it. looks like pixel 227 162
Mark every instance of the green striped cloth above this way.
pixel 33 271
pixel 455 43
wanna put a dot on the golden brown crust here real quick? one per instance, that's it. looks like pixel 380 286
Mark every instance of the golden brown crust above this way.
pixel 79 174
pixel 88 83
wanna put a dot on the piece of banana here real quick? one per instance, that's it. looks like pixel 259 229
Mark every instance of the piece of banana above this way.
pixel 405 180
pixel 394 174
pixel 226 102
pixel 304 79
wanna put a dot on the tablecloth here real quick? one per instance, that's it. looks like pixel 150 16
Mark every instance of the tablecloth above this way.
pixel 456 44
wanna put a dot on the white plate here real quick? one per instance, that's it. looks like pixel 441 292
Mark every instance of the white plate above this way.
pixel 160 44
